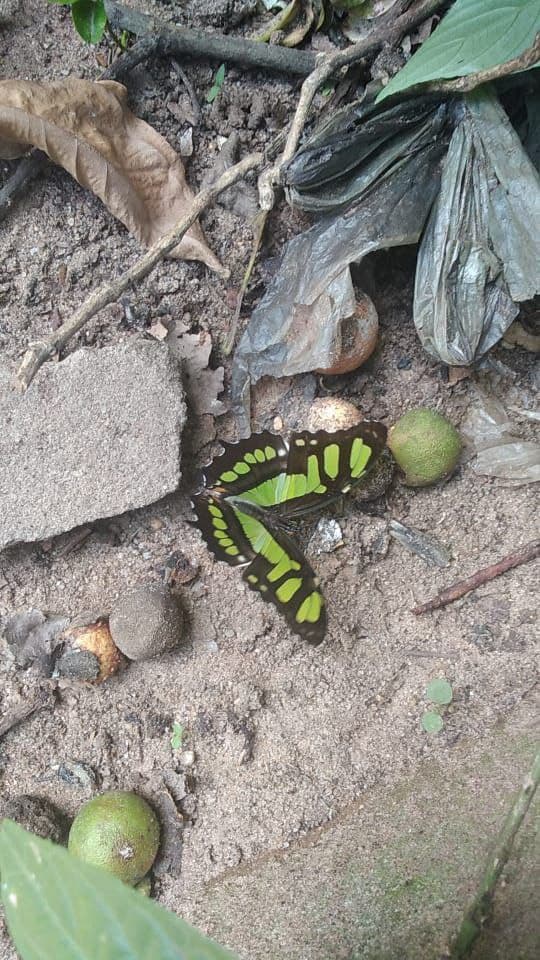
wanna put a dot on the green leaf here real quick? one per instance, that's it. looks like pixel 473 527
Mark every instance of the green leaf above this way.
pixel 90 19
pixel 217 84
pixel 58 908
pixel 474 35
pixel 439 691
pixel 432 722
pixel 177 735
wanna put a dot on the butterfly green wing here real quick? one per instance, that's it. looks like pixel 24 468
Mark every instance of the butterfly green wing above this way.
pixel 247 464
pixel 274 566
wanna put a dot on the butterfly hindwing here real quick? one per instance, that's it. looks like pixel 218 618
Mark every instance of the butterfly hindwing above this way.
pixel 280 573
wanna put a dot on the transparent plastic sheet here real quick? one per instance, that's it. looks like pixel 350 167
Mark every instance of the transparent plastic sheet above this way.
pixel 480 253
pixel 499 453
pixel 295 326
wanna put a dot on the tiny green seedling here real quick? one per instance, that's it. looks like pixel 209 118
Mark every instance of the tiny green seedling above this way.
pixel 177 735
pixel 440 693
pixel 432 722
pixel 217 84
pixel 89 18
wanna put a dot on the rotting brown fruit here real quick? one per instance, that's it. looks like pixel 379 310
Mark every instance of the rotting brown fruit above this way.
pixel 425 445
pixel 331 414
pixel 358 335
pixel 119 832
pixel 88 653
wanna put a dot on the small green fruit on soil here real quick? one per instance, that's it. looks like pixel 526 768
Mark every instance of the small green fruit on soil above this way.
pixel 425 445
pixel 118 831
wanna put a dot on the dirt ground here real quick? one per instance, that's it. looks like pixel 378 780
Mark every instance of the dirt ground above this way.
pixel 284 736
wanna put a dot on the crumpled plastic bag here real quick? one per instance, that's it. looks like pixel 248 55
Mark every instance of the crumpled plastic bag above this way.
pixel 295 326
pixel 356 147
pixel 499 453
pixel 480 252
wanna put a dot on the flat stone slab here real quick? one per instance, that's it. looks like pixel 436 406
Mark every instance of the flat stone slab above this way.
pixel 93 436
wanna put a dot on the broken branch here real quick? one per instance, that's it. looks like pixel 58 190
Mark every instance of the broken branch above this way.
pixel 182 41
pixel 42 350
pixel 531 551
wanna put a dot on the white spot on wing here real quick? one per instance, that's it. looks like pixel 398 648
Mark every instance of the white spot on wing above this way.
pixel 12 899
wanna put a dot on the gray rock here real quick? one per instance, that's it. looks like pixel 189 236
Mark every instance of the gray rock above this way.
pixel 93 436
pixel 146 622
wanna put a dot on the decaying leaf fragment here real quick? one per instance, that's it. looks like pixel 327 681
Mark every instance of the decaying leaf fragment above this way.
pixel 87 128
pixel 202 384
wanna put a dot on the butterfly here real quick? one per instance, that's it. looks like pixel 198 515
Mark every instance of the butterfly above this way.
pixel 256 487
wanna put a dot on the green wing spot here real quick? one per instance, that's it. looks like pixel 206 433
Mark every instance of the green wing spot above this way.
pixel 259 454
pixel 313 475
pixel 228 477
pixel 219 524
pixel 232 551
pixel 250 458
pixel 252 578
pixel 215 511
pixel 360 454
pixel 225 542
pixel 221 534
pixel 331 460
pixel 242 467
pixel 310 609
pixel 270 453
pixel 320 489
pixel 283 566
pixel 288 589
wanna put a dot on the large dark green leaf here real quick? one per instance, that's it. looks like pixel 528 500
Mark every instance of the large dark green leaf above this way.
pixel 59 908
pixel 89 18
pixel 474 35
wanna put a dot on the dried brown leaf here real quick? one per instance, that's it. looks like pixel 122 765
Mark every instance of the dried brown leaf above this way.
pixel 202 384
pixel 87 128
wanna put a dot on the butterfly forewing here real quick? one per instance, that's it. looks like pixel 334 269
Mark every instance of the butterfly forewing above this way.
pixel 221 528
pixel 247 464
pixel 321 466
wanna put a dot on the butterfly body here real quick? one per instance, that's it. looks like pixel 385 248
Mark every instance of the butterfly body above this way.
pixel 257 486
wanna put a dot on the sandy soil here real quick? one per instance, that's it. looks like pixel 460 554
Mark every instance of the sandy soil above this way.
pixel 284 736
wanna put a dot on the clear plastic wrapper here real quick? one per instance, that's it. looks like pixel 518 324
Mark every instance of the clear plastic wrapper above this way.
pixel 480 253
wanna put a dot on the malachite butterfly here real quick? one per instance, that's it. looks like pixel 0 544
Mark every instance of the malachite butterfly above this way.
pixel 257 486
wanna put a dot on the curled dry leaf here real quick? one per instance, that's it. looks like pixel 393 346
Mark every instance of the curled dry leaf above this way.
pixel 202 384
pixel 87 128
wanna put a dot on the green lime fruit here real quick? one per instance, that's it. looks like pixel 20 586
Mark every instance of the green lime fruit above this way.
pixel 118 831
pixel 425 445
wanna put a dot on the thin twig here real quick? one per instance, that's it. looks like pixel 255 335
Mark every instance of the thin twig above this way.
pixel 43 350
pixel 480 909
pixel 531 551
pixel 180 41
pixel 328 65
pixel 259 226
pixel 44 698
